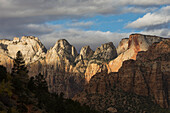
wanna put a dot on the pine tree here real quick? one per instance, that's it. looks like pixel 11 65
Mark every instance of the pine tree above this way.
pixel 19 72
pixel 19 64
pixel 20 81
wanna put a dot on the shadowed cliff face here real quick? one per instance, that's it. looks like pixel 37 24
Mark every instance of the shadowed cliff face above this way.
pixel 148 76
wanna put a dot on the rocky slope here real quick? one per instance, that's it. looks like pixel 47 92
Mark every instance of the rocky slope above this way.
pixel 148 77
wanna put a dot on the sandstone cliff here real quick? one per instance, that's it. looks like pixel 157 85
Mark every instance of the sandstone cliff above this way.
pixel 126 51
pixel 148 77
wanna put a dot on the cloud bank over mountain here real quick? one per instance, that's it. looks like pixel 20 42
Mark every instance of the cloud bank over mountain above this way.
pixel 32 17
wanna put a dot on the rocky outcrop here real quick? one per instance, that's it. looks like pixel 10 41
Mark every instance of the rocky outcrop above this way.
pixel 61 56
pixel 99 60
pixel 6 61
pixel 82 59
pixel 106 52
pixel 94 66
pixel 136 43
pixel 85 53
pixel 123 46
pixel 131 87
pixel 31 48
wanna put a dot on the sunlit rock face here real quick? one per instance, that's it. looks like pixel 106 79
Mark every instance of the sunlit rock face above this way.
pixel 123 46
pixel 136 43
pixel 31 48
pixel 61 56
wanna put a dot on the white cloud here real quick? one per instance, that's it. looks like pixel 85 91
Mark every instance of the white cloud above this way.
pixel 149 2
pixel 43 27
pixel 160 18
pixel 81 24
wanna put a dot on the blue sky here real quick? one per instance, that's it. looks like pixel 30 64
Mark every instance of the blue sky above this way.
pixel 83 22
pixel 112 23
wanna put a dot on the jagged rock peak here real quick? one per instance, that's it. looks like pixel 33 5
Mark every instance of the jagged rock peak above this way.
pixel 63 47
pixel 62 43
pixel 107 51
pixel 86 52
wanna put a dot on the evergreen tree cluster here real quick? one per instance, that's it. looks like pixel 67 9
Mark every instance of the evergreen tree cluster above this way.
pixel 19 94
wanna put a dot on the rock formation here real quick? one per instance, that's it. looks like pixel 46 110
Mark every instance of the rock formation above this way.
pixel 61 56
pixel 99 60
pixel 106 52
pixel 85 53
pixel 64 69
pixel 82 59
pixel 136 43
pixel 123 46
pixel 31 48
pixel 57 67
pixel 148 77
